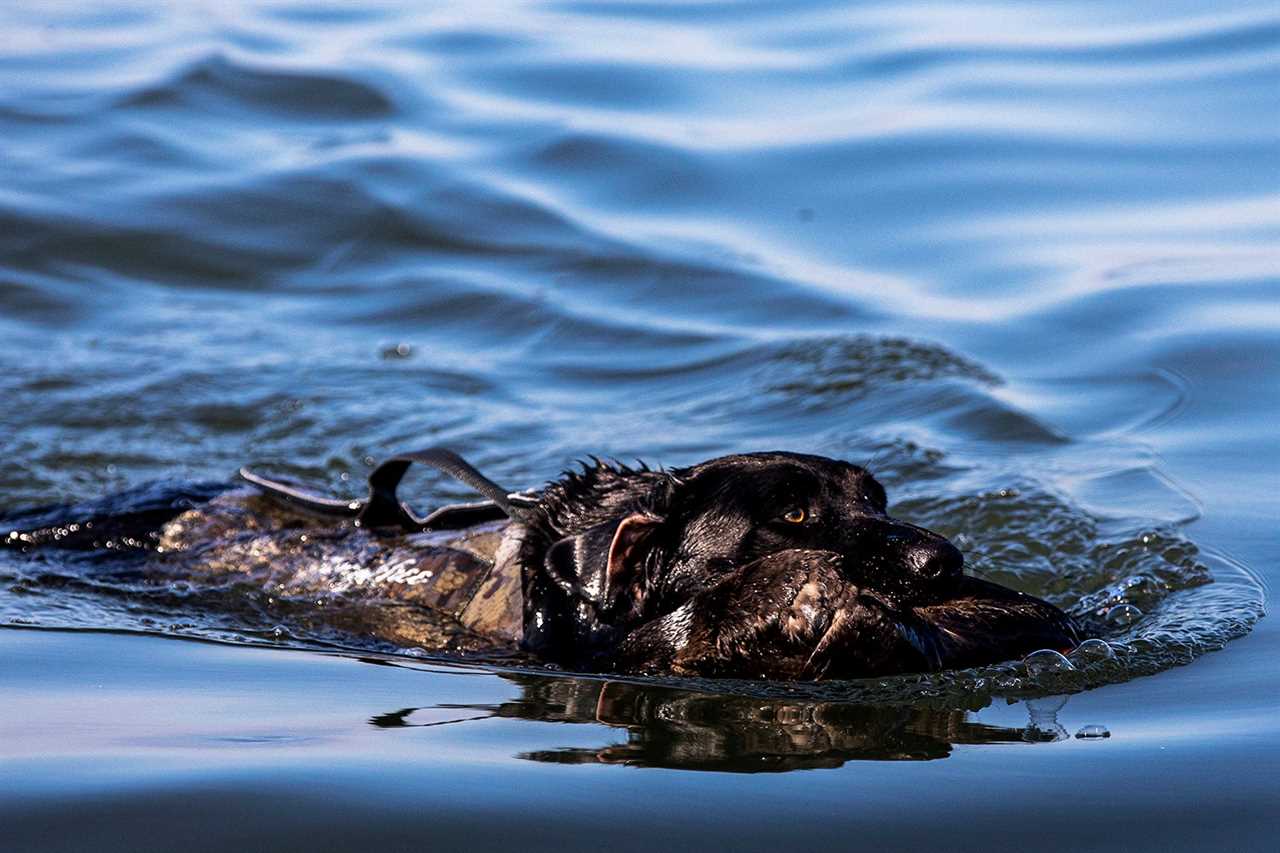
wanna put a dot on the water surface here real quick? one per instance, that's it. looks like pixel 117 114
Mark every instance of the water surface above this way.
pixel 1019 258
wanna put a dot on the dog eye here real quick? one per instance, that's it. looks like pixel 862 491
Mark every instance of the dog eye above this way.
pixel 795 516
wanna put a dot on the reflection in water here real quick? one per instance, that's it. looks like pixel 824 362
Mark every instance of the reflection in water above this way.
pixel 681 729
pixel 1042 722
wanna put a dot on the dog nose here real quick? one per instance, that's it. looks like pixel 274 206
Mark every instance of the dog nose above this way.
pixel 935 559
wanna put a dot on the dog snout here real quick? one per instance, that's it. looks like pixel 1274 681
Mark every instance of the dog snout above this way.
pixel 934 558
pixel 922 556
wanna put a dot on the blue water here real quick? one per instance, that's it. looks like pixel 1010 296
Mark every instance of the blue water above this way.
pixel 1021 258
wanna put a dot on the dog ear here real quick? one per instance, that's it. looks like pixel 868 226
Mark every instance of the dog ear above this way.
pixel 563 564
pixel 579 564
pixel 603 559
pixel 631 541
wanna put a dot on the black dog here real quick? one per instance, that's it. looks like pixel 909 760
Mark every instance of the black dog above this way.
pixel 765 564
pixel 776 565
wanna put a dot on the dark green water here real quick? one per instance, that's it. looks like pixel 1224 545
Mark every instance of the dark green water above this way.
pixel 1020 257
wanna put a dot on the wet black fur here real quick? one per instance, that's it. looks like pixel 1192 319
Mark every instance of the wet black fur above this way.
pixel 714 519
pixel 718 583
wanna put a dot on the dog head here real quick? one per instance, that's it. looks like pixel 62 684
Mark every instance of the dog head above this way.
pixel 612 547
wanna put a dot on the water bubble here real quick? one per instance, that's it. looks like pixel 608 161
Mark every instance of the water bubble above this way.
pixel 1046 661
pixel 1042 720
pixel 1046 707
pixel 1092 732
pixel 1092 652
pixel 278 632
pixel 1123 615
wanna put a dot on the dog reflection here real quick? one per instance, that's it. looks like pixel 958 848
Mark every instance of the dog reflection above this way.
pixel 673 728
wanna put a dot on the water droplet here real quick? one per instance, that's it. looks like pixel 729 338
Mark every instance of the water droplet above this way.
pixel 1046 661
pixel 278 632
pixel 1092 652
pixel 398 350
pixel 1092 731
pixel 1123 615
pixel 1006 683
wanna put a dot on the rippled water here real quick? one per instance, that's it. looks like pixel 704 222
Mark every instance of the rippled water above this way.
pixel 1019 258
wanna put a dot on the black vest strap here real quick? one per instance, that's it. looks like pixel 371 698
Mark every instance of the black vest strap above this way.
pixel 384 509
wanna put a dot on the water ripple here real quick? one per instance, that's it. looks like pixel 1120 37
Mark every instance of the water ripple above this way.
pixel 962 242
